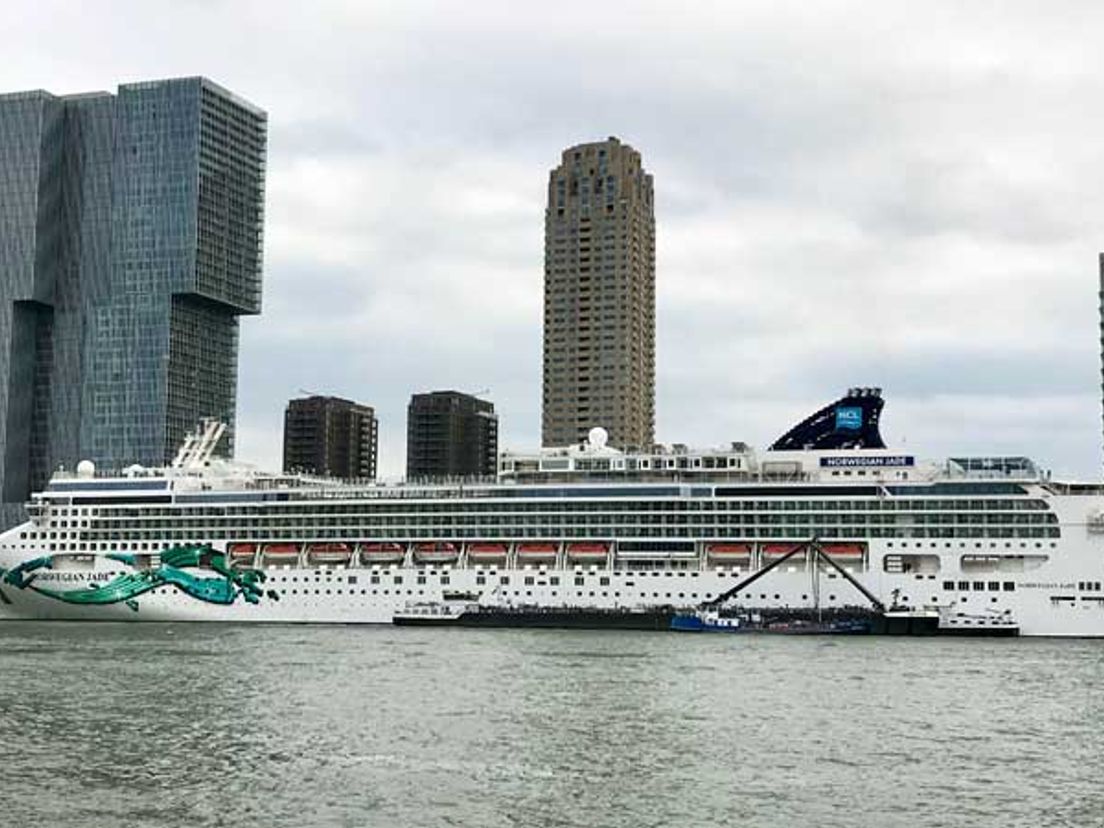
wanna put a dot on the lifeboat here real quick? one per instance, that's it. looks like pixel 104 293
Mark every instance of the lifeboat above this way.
pixel 241 554
pixel 381 553
pixel 587 552
pixel 439 552
pixel 487 552
pixel 844 551
pixel 728 552
pixel 774 551
pixel 328 553
pixel 537 553
pixel 280 553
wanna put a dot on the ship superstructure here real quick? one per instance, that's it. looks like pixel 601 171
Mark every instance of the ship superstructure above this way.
pixel 587 526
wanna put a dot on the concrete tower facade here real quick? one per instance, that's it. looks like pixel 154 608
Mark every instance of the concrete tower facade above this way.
pixel 331 437
pixel 599 298
pixel 450 434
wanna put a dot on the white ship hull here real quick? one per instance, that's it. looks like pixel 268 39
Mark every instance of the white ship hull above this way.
pixel 973 539
pixel 1046 601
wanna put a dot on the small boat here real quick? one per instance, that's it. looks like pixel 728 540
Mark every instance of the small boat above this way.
pixel 429 614
pixel 438 552
pixel 774 551
pixel 780 621
pixel 381 553
pixel 728 552
pixel 844 551
pixel 328 553
pixel 536 552
pixel 996 625
pixel 587 552
pixel 241 554
pixel 280 553
pixel 487 552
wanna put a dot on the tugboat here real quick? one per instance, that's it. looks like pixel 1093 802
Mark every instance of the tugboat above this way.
pixel 842 621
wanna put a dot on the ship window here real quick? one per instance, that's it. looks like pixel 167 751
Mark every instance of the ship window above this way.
pixel 603 581
pixel 578 582
pixel 505 579
pixel 352 579
pixel 963 584
pixel 1009 586
pixel 948 585
pixel 994 586
pixel 979 585
pixel 554 580
pixel 529 580
pixel 445 580
pixel 480 580
pixel 373 580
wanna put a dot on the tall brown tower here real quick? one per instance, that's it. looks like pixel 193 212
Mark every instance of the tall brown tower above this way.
pixel 599 298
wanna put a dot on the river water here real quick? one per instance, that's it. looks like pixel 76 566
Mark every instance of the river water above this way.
pixel 211 725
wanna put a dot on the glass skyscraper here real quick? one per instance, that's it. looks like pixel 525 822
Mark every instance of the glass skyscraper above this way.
pixel 130 242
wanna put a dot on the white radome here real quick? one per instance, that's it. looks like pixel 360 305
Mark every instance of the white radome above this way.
pixel 86 468
pixel 598 437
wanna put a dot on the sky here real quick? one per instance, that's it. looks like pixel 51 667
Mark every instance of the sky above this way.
pixel 885 194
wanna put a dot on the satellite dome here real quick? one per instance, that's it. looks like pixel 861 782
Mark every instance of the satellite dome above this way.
pixel 598 437
pixel 86 468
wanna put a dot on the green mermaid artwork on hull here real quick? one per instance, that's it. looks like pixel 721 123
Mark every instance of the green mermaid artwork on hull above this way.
pixel 226 588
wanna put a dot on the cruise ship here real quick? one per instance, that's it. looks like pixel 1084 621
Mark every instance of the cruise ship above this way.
pixel 973 538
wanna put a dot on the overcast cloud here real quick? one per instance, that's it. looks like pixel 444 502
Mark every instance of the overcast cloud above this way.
pixel 883 193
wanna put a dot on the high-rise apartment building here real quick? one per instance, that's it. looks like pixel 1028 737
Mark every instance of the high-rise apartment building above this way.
pixel 130 243
pixel 331 437
pixel 449 434
pixel 599 298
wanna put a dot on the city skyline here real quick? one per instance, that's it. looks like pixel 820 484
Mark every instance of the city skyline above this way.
pixel 911 212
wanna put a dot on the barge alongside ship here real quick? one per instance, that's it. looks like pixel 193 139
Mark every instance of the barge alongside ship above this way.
pixel 655 619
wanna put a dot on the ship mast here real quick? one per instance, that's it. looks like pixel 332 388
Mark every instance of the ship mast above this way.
pixel 196 451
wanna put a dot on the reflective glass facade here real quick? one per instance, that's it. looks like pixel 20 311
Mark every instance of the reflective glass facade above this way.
pixel 130 242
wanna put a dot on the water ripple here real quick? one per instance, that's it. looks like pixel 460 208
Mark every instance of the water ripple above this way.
pixel 208 725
